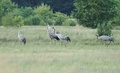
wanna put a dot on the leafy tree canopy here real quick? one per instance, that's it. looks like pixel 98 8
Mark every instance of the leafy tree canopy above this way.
pixel 64 6
pixel 93 12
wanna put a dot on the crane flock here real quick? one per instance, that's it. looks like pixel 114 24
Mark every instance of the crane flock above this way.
pixel 58 36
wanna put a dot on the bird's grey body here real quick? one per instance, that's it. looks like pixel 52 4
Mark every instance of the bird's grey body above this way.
pixel 21 37
pixel 105 38
pixel 51 34
pixel 61 36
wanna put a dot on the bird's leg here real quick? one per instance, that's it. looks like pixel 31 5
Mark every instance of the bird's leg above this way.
pixel 61 42
pixel 66 43
pixel 109 43
pixel 52 41
pixel 101 42
pixel 105 43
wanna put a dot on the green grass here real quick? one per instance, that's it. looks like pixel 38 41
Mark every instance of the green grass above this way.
pixel 85 54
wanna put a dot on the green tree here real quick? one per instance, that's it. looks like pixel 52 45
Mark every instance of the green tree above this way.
pixel 10 19
pixel 7 20
pixel 44 12
pixel 64 6
pixel 117 19
pixel 60 18
pixel 1 12
pixel 70 22
pixel 32 20
pixel 90 13
pixel 26 11
pixel 8 6
pixel 18 20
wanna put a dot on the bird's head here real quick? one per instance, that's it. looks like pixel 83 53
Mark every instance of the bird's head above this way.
pixel 55 30
pixel 68 39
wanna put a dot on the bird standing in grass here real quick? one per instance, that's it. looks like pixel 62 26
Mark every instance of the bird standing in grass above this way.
pixel 61 36
pixel 105 38
pixel 51 34
pixel 21 37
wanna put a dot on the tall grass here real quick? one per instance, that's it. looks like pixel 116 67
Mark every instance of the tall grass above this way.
pixel 85 54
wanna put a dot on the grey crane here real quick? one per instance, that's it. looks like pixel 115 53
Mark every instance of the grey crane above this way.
pixel 61 36
pixel 51 34
pixel 21 37
pixel 105 38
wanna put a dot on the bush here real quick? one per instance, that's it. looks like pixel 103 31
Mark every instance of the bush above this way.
pixel 18 20
pixel 28 21
pixel 26 12
pixel 42 22
pixel 50 21
pixel 7 20
pixel 32 20
pixel 35 20
pixel 69 22
pixel 60 18
pixel 11 20
pixel 104 29
pixel 44 12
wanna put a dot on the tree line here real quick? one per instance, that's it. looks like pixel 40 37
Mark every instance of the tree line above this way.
pixel 27 15
pixel 98 13
pixel 64 6
pixel 102 14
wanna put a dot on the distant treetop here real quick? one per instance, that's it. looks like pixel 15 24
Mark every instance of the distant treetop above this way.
pixel 64 6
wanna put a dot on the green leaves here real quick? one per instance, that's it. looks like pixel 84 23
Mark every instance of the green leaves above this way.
pixel 11 20
pixel 104 29
pixel 18 20
pixel 8 6
pixel 92 12
pixel 39 15
pixel 43 10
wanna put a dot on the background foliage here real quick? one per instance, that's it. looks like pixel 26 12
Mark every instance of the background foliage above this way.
pixel 64 6
pixel 89 13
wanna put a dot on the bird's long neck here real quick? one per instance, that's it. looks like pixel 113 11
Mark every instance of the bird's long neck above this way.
pixel 54 30
pixel 19 33
pixel 48 28
pixel 19 30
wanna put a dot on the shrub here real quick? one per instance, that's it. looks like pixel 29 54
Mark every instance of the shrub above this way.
pixel 28 21
pixel 26 12
pixel 11 20
pixel 104 29
pixel 44 12
pixel 7 20
pixel 42 22
pixel 18 20
pixel 32 20
pixel 35 20
pixel 69 22
pixel 60 18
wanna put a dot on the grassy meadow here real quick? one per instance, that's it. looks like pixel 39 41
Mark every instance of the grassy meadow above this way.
pixel 84 54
